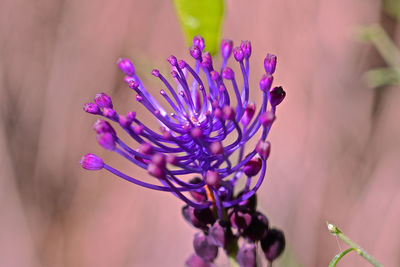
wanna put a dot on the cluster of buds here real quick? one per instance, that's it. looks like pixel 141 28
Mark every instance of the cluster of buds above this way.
pixel 194 140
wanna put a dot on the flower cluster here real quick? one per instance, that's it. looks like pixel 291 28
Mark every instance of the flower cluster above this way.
pixel 201 130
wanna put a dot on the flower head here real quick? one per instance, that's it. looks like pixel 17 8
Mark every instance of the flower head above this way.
pixel 211 120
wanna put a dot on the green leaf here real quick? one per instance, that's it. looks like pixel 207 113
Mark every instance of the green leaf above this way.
pixel 337 258
pixel 201 17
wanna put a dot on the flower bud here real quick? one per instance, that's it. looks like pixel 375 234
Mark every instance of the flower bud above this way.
pixel 246 47
pixel 267 118
pixel 276 96
pixel 226 48
pixel 126 66
pixel 252 167
pixel 238 54
pixel 240 218
pixel 258 228
pixel 91 108
pixel 212 179
pixel 228 113
pixel 92 162
pixel 159 160
pixel 216 148
pixel 221 234
pixel 106 140
pixel 196 261
pixel 199 42
pixel 228 74
pixel 102 126
pixel 172 60
pixel 250 203
pixel 273 244
pixel 248 114
pixel 156 171
pixel 246 256
pixel 270 63
pixel 263 149
pixel 103 100
pixel 200 194
pixel 266 82
pixel 195 52
pixel 109 113
pixel 204 248
pixel 207 60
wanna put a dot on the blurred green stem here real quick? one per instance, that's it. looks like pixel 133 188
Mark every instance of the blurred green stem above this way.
pixel 337 232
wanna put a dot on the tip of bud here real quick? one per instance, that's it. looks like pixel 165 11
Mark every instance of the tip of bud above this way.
pixel 125 121
pixel 133 84
pixel 252 167
pixel 266 82
pixel 146 148
pixel 267 118
pixel 155 72
pixel 226 48
pixel 172 60
pixel 263 149
pixel 273 244
pixel 138 129
pixel 228 113
pixel 228 74
pixel 248 113
pixel 214 75
pixel 195 52
pixel 276 96
pixel 91 162
pixel 155 171
pixel 270 63
pixel 126 66
pixel 91 108
pixel 159 160
pixel 182 64
pixel 216 148
pixel 102 126
pixel 172 159
pixel 109 113
pixel 206 60
pixel 246 47
pixel 238 54
pixel 106 140
pixel 213 179
pixel 199 42
pixel 103 100
pixel 196 133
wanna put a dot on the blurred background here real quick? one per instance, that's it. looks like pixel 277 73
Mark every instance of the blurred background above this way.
pixel 335 145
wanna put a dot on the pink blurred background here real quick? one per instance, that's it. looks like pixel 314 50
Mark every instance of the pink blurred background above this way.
pixel 336 143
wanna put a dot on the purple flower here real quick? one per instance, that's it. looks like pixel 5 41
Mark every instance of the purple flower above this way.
pixel 210 123
pixel 194 136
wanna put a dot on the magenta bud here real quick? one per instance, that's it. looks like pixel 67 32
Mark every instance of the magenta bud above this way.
pixel 246 48
pixel 146 149
pixel 213 179
pixel 174 74
pixel 109 113
pixel 204 247
pixel 131 115
pixel 214 75
pixel 207 60
pixel 267 118
pixel 246 256
pixel 273 244
pixel 252 167
pixel 226 48
pixel 263 149
pixel 92 162
pixel 128 79
pixel 172 159
pixel 238 54
pixel 125 121
pixel 248 114
pixel 159 160
pixel 266 82
pixel 195 52
pixel 182 64
pixel 172 60
pixel 218 113
pixel 270 63
pixel 139 98
pixel 102 126
pixel 221 88
pixel 155 171
pixel 216 148
pixel 276 96
pixel 133 84
pixel 258 228
pixel 156 72
pixel 196 261
pixel 138 129
pixel 228 74
pixel 103 100
pixel 196 133
pixel 229 113
pixel 126 66
pixel 199 42
pixel 106 140
pixel 91 108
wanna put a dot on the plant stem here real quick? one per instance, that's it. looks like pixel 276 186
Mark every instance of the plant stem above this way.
pixel 337 232
pixel 233 261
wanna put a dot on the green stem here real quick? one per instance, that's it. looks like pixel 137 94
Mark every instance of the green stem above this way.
pixel 232 260
pixel 336 231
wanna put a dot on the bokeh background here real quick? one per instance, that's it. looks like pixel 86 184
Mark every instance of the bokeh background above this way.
pixel 336 143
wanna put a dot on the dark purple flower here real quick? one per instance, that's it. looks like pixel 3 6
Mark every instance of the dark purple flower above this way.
pixel 204 247
pixel 246 256
pixel 258 228
pixel 273 244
